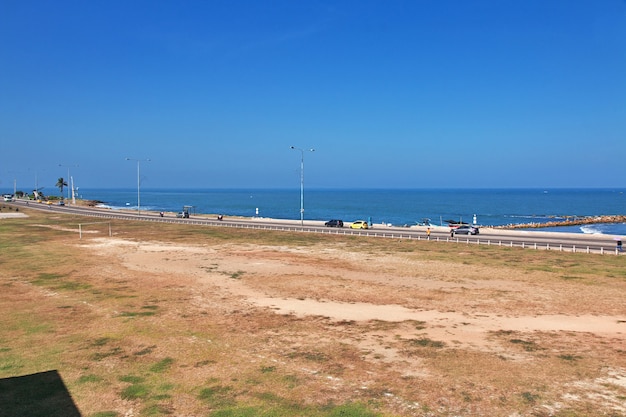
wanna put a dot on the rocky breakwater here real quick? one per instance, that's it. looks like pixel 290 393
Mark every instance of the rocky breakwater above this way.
pixel 568 221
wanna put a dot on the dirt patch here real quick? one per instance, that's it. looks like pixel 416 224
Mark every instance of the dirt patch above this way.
pixel 388 309
pixel 188 321
pixel 328 285
pixel 12 215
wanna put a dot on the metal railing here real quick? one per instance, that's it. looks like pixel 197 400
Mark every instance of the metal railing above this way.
pixel 389 234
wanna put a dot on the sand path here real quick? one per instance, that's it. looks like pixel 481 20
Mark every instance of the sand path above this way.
pixel 464 326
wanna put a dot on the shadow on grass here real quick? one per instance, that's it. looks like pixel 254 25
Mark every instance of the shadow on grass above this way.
pixel 38 395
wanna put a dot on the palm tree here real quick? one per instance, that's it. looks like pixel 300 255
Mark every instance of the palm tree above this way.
pixel 61 183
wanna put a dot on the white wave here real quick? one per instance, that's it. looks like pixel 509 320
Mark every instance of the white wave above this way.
pixel 590 229
pixel 110 207
pixel 604 228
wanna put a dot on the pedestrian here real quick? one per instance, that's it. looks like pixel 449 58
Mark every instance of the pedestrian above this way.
pixel 451 232
pixel 428 233
pixel 619 246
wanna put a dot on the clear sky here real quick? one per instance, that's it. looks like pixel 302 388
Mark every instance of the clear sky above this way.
pixel 390 93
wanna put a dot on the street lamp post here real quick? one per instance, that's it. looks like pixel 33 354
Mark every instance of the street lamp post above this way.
pixel 69 181
pixel 302 182
pixel 37 179
pixel 138 181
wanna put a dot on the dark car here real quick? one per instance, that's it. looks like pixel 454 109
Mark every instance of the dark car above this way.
pixel 334 223
pixel 467 230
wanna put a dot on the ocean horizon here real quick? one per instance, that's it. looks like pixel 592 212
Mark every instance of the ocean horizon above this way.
pixel 399 207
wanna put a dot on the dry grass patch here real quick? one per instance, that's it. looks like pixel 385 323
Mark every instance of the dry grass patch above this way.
pixel 179 320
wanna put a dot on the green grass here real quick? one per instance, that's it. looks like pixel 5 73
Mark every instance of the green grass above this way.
pixel 135 391
pixel 236 275
pixel 112 352
pixel 530 398
pixel 217 396
pixel 91 378
pixel 571 358
pixel 528 346
pixel 145 351
pixel 101 341
pixel 12 364
pixel 310 356
pixel 162 365
pixel 426 342
pixel 136 313
pixel 131 379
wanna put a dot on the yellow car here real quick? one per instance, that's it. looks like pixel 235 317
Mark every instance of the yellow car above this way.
pixel 359 224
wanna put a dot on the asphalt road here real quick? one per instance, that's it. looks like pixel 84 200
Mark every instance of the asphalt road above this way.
pixel 570 242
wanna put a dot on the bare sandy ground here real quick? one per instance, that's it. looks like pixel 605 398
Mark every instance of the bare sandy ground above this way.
pixel 510 332
pixel 352 322
pixel 462 306
pixel 12 215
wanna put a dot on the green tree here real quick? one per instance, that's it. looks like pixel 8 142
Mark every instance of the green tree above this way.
pixel 61 183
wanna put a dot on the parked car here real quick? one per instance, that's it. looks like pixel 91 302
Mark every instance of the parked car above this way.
pixel 466 230
pixel 334 223
pixel 359 224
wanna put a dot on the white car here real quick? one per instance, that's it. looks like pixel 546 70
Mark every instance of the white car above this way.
pixel 466 230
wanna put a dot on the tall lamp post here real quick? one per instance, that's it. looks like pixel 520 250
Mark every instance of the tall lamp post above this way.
pixel 37 179
pixel 302 182
pixel 138 181
pixel 69 181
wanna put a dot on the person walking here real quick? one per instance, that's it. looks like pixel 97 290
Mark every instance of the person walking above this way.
pixel 619 246
pixel 428 233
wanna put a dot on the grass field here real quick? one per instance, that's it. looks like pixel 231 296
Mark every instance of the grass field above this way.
pixel 163 319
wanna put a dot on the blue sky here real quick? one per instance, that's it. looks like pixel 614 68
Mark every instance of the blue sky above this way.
pixel 398 94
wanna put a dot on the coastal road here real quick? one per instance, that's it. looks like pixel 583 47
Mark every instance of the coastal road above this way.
pixel 570 242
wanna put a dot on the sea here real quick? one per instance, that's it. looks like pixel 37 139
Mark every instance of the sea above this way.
pixel 398 207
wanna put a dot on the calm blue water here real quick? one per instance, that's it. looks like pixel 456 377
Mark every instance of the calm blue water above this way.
pixel 398 207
